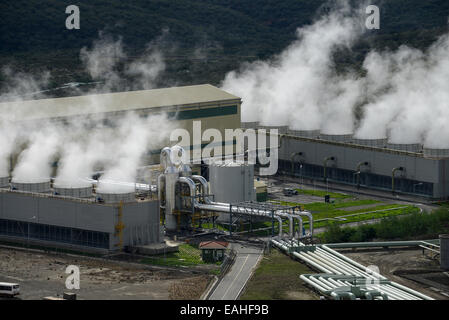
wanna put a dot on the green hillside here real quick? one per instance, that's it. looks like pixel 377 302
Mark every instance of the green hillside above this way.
pixel 33 35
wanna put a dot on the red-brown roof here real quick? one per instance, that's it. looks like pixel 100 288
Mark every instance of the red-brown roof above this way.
pixel 213 245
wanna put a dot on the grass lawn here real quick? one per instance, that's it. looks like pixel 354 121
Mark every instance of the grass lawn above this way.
pixel 277 278
pixel 188 255
pixel 322 193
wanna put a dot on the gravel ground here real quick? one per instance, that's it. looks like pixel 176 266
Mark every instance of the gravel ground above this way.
pixel 43 274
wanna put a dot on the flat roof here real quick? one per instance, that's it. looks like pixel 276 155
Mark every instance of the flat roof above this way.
pixel 115 102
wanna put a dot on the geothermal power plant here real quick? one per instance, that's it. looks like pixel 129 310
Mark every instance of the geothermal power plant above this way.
pixel 96 213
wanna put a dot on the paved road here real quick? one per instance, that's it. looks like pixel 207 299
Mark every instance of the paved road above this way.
pixel 233 282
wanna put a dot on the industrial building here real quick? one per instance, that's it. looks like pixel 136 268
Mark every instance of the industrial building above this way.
pixel 45 213
pixel 408 169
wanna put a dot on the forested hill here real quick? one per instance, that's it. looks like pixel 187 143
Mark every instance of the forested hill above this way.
pixel 33 33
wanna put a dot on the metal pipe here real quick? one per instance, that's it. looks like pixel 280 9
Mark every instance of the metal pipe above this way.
pixel 325 166
pixel 205 187
pixel 292 159
pixel 393 176
pixel 358 171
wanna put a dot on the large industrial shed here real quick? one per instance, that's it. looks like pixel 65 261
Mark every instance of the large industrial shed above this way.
pixel 214 107
pixel 35 213
pixel 79 224
pixel 377 166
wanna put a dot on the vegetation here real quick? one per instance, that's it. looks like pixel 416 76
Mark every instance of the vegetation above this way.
pixel 413 226
pixel 277 278
pixel 322 193
pixel 188 255
pixel 207 38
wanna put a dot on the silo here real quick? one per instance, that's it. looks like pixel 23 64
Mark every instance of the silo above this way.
pixel 376 143
pixel 33 185
pixel 444 251
pixel 409 147
pixel 231 182
pixel 4 182
pixel 435 153
pixel 313 134
pixel 344 138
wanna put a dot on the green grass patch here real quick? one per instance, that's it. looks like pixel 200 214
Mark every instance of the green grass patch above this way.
pixel 187 255
pixel 322 193
pixel 277 278
pixel 413 226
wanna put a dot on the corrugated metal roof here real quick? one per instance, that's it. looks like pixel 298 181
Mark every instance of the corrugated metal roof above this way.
pixel 213 245
pixel 116 102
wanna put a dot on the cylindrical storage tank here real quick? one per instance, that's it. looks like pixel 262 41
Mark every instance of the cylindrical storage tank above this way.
pixel 231 182
pixel 171 177
pixel 4 182
pixel 116 197
pixel 76 192
pixel 281 129
pixel 444 251
pixel 409 147
pixel 249 124
pixel 36 187
pixel 376 143
pixel 304 133
pixel 344 138
pixel 435 153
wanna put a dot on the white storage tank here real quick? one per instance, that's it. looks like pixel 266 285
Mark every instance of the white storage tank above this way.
pixel 232 182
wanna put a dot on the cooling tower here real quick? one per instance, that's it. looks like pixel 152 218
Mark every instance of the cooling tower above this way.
pixel 76 192
pixel 281 129
pixel 436 153
pixel 409 147
pixel 376 143
pixel 249 124
pixel 116 197
pixel 36 186
pixel 344 138
pixel 304 133
pixel 4 182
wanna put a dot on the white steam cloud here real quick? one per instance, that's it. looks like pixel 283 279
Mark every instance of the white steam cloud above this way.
pixel 402 94
pixel 83 146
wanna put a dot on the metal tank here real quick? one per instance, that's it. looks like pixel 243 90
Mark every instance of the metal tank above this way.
pixel 313 134
pixel 444 251
pixel 231 183
pixel 409 147
pixel 376 143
